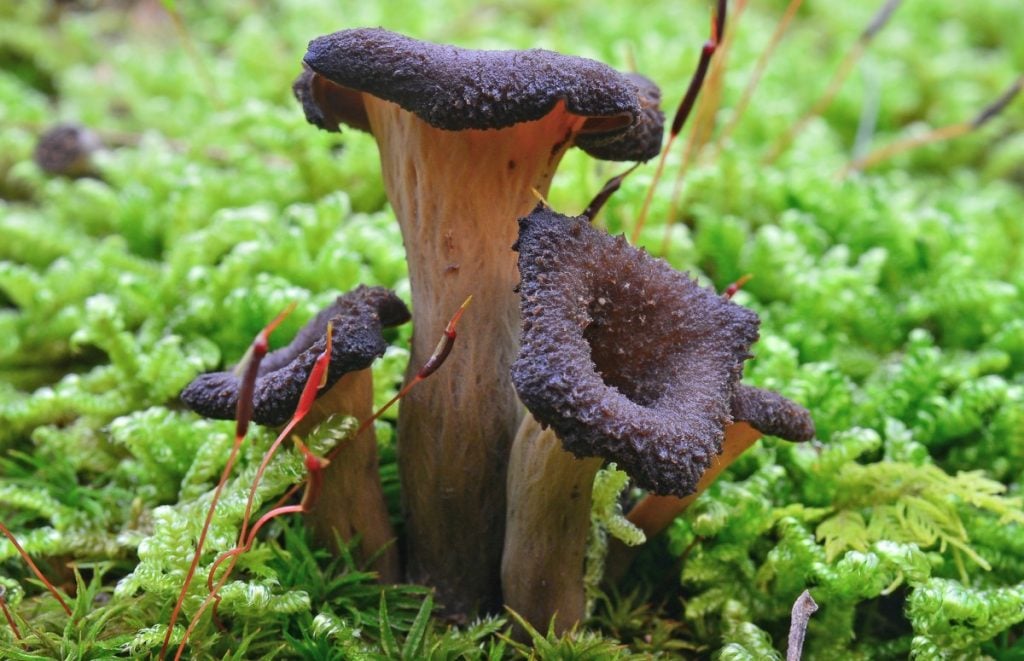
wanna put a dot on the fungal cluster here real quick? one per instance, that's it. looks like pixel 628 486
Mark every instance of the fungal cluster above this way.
pixel 615 355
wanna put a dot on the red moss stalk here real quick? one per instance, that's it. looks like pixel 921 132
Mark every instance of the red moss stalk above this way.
pixel 35 570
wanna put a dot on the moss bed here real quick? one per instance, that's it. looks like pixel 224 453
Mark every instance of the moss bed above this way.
pixel 892 307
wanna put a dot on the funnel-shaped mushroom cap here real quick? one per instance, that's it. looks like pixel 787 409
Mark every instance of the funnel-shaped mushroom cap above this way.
pixel 455 89
pixel 626 358
pixel 356 320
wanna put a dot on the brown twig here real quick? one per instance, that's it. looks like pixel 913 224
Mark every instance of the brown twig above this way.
pixel 803 608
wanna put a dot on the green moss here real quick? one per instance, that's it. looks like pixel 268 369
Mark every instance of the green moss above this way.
pixel 892 304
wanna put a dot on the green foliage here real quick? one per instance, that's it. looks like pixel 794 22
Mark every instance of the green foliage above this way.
pixel 953 618
pixel 570 645
pixel 892 306
pixel 606 518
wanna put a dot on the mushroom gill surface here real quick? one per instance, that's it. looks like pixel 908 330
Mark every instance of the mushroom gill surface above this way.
pixel 628 359
pixel 357 319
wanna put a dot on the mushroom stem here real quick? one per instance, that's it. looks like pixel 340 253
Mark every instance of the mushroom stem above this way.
pixel 351 502
pixel 549 499
pixel 655 513
pixel 456 195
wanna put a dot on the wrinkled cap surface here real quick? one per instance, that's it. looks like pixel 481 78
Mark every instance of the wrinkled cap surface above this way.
pixel 455 89
pixel 771 413
pixel 626 358
pixel 357 319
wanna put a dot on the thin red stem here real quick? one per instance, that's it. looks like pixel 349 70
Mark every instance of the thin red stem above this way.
pixel 878 21
pixel 10 618
pixel 35 570
pixel 683 111
pixel 937 135
pixel 710 101
pixel 759 67
pixel 315 466
pixel 243 414
pixel 316 380
pixel 288 494
pixel 263 520
pixel 199 545
pixel 731 290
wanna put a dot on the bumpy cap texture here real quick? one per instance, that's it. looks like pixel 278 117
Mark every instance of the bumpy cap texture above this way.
pixel 626 358
pixel 455 89
pixel 357 319
pixel 771 413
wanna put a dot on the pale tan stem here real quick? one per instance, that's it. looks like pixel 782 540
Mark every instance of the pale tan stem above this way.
pixel 351 501
pixel 549 499
pixel 457 195
pixel 654 514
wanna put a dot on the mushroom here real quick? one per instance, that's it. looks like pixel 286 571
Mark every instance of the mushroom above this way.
pixel 627 360
pixel 465 138
pixel 351 502
pixel 66 150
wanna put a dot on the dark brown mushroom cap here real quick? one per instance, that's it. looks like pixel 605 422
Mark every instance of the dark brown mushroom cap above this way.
pixel 357 319
pixel 624 357
pixel 455 89
pixel 66 150
pixel 636 142
pixel 770 413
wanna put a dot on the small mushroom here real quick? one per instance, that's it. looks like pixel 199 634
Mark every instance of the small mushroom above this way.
pixel 627 360
pixel 351 502
pixel 465 137
pixel 357 317
pixel 66 150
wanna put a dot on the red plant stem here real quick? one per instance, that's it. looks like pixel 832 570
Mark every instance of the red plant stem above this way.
pixel 711 100
pixel 731 290
pixel 263 520
pixel 432 364
pixel 316 380
pixel 35 570
pixel 703 124
pixel 878 21
pixel 683 111
pixel 199 545
pixel 243 414
pixel 315 465
pixel 10 618
pixel 294 489
pixel 937 135
pixel 317 377
pixel 759 67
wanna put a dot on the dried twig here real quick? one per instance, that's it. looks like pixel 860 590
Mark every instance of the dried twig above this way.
pixel 803 608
